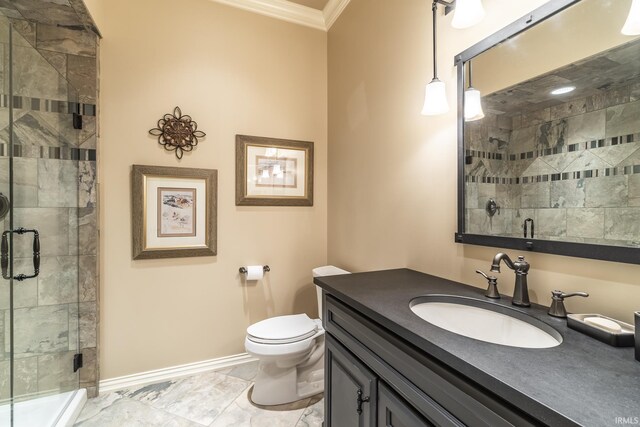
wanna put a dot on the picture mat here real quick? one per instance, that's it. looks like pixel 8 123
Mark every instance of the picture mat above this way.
pixel 152 240
pixel 254 153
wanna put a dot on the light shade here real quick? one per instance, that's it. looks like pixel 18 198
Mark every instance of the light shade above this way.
pixel 472 105
pixel 435 99
pixel 632 26
pixel 467 13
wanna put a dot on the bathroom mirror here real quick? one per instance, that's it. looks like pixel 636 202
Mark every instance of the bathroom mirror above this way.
pixel 554 164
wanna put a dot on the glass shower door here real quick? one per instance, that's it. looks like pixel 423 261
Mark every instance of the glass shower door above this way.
pixel 5 285
pixel 41 319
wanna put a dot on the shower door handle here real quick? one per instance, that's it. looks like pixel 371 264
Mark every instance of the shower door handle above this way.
pixel 4 256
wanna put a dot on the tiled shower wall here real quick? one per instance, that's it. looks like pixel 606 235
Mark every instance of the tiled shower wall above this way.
pixel 573 168
pixel 55 191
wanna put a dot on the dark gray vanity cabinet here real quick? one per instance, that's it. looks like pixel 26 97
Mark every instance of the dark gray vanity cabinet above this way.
pixel 352 388
pixel 356 397
pixel 374 378
pixel 393 411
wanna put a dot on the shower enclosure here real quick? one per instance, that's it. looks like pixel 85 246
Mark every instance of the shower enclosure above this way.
pixel 39 178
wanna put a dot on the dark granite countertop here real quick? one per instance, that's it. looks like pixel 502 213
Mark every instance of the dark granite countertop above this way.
pixel 582 381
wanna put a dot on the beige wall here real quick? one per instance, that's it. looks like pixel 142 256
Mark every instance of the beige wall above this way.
pixel 234 72
pixel 96 10
pixel 392 172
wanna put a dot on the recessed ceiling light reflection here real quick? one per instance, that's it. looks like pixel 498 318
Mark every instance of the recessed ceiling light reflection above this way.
pixel 563 90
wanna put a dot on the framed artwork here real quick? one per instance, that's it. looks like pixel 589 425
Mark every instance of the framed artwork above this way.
pixel 174 212
pixel 273 172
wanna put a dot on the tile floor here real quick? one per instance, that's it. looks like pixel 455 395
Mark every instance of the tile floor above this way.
pixel 214 399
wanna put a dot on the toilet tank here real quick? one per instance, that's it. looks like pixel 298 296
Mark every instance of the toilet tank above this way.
pixel 327 270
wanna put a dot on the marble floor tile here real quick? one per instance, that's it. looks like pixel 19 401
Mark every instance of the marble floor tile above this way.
pixel 244 413
pixel 93 407
pixel 132 413
pixel 211 399
pixel 313 415
pixel 246 372
pixel 198 398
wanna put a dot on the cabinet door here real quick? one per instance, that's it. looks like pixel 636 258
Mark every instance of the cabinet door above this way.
pixel 393 411
pixel 350 389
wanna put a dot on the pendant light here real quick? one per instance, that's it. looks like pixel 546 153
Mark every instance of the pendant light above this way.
pixel 435 96
pixel 467 13
pixel 632 26
pixel 472 102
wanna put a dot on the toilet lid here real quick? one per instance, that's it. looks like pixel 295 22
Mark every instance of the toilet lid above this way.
pixel 282 329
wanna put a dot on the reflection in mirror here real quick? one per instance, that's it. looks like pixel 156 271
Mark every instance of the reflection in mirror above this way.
pixel 559 147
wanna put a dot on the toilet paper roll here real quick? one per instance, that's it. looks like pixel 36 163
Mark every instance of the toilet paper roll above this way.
pixel 255 272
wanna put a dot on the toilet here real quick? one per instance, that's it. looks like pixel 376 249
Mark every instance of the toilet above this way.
pixel 290 352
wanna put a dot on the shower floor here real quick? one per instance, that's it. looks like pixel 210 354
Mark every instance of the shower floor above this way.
pixel 49 411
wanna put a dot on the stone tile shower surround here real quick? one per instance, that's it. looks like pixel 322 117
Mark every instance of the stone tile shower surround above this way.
pixel 55 191
pixel 573 168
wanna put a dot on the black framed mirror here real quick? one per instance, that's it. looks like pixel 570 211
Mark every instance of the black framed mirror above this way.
pixel 551 161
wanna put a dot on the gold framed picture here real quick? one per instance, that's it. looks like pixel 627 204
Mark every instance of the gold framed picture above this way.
pixel 174 212
pixel 273 172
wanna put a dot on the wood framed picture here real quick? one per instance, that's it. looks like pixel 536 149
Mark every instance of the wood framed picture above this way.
pixel 174 212
pixel 273 172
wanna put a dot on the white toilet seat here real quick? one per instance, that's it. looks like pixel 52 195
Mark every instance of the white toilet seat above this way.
pixel 277 349
pixel 282 329
pixel 282 341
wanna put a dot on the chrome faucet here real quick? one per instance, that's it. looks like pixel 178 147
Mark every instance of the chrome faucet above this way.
pixel 521 268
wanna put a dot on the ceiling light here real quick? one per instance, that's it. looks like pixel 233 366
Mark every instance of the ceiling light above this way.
pixel 467 13
pixel 472 102
pixel 435 99
pixel 563 90
pixel 632 26
pixel 435 95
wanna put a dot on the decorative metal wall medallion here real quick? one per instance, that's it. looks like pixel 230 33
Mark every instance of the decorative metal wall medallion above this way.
pixel 177 132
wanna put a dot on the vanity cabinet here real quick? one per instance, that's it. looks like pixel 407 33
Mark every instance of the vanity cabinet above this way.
pixel 357 397
pixel 375 378
pixel 352 388
pixel 393 411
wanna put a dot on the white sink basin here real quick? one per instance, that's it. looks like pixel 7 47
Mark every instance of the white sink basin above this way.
pixel 485 321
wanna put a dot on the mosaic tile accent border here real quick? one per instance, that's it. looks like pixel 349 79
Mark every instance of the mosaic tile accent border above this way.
pixel 58 153
pixel 593 173
pixel 580 146
pixel 47 105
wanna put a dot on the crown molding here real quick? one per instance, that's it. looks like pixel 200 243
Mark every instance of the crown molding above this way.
pixel 293 12
pixel 281 9
pixel 332 12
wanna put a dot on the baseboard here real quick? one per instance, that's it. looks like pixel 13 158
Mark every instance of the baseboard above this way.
pixel 172 372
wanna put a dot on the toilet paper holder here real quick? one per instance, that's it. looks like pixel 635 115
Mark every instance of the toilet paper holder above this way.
pixel 243 270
